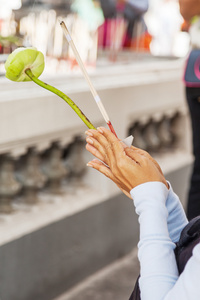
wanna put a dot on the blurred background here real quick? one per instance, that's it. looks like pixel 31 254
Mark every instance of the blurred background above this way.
pixel 67 232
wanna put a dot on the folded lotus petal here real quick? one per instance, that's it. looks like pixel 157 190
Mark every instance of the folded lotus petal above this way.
pixel 22 59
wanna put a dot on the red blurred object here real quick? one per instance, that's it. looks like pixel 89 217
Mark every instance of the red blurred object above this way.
pixel 143 42
pixel 185 26
pixel 107 34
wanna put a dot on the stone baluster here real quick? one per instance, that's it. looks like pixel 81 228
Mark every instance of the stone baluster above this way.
pixel 54 168
pixel 9 186
pixel 165 133
pixel 74 161
pixel 137 130
pixel 177 124
pixel 31 177
pixel 151 136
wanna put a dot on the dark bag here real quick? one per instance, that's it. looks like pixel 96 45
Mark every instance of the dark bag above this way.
pixel 192 69
pixel 190 237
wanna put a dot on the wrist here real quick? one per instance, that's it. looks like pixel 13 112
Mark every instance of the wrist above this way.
pixel 149 194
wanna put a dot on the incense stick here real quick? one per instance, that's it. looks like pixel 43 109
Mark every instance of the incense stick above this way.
pixel 92 88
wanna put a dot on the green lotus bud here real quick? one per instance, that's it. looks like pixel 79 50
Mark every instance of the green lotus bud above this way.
pixel 26 64
pixel 22 59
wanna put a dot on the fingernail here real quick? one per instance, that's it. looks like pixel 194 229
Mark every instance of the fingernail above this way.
pixel 89 165
pixel 89 133
pixel 90 141
pixel 99 129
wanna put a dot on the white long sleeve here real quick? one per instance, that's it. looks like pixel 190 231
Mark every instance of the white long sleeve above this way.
pixel 158 270
pixel 159 275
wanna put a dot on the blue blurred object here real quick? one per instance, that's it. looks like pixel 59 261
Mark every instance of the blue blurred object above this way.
pixel 87 10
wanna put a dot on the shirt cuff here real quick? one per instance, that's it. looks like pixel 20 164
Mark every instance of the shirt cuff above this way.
pixel 149 192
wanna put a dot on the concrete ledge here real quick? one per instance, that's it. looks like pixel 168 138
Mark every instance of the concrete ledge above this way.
pixel 50 260
pixel 47 262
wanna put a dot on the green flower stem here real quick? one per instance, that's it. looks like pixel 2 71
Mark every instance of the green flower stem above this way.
pixel 61 95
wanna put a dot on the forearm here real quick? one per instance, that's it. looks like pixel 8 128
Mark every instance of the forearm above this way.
pixel 156 250
pixel 189 8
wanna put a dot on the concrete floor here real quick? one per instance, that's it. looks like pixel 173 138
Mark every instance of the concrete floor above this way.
pixel 114 282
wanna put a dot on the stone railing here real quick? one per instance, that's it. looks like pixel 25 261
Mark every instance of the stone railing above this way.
pixel 144 98
pixel 53 209
pixel 23 176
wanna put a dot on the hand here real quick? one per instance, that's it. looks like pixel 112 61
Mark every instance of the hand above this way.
pixel 127 167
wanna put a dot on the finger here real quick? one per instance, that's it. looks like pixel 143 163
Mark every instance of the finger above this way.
pixel 102 168
pixel 99 136
pixel 97 140
pixel 141 152
pixel 94 152
pixel 147 155
pixel 126 193
pixel 109 136
pixel 112 145
pixel 144 153
pixel 105 170
pixel 97 148
pixel 118 161
pixel 134 155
